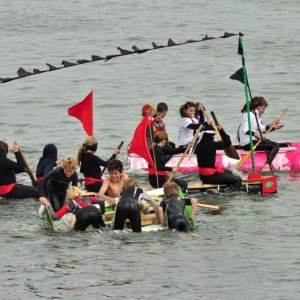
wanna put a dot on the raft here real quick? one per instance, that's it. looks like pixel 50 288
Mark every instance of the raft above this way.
pixel 287 159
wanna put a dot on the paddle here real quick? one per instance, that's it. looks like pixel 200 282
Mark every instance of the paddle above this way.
pixel 203 205
pixel 33 180
pixel 185 152
pixel 230 151
pixel 246 156
pixel 104 169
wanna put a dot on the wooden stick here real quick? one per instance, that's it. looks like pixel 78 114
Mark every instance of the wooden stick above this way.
pixel 185 153
pixel 199 204
pixel 33 180
pixel 214 207
pixel 104 169
pixel 246 156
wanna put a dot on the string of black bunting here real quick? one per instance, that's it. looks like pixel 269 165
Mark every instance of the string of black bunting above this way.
pixel 135 50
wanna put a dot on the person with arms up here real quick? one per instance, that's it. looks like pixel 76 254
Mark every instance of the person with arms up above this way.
pixel 90 164
pixel 206 151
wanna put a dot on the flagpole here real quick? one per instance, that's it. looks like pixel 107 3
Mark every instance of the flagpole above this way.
pixel 241 52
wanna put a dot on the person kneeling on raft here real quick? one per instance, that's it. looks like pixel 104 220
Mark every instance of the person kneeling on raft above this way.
pixel 128 206
pixel 85 213
pixel 174 206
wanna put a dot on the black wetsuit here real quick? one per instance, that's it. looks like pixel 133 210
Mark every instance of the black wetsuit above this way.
pixel 8 171
pixel 206 156
pixel 160 161
pixel 128 207
pixel 173 206
pixel 54 186
pixel 86 214
pixel 91 168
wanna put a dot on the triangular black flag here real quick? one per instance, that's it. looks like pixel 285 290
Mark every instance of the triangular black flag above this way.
pixel 238 75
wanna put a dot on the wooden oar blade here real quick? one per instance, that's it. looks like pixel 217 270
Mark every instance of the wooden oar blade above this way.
pixel 231 152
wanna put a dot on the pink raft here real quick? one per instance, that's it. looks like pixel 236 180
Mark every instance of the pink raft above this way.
pixel 287 159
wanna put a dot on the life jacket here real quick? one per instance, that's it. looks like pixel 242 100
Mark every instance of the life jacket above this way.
pixel 76 204
pixel 152 171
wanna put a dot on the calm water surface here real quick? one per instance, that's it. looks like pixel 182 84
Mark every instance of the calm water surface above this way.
pixel 251 249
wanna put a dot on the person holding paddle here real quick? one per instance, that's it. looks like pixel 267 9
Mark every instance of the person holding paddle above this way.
pixel 159 152
pixel 189 123
pixel 206 151
pixel 258 106
pixel 9 188
pixel 90 164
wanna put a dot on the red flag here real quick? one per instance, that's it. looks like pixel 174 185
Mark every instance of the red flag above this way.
pixel 139 144
pixel 83 111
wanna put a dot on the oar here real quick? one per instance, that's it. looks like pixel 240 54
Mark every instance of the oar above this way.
pixel 185 152
pixel 246 156
pixel 230 151
pixel 203 205
pixel 104 169
pixel 33 180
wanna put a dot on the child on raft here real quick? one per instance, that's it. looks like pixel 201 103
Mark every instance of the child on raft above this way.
pixel 54 185
pixel 9 188
pixel 188 124
pixel 113 185
pixel 128 206
pixel 90 164
pixel 47 162
pixel 159 152
pixel 174 208
pixel 258 106
pixel 82 208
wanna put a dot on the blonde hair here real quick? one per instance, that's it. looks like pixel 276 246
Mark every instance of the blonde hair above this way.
pixel 69 162
pixel 170 188
pixel 130 182
pixel 89 140
pixel 72 192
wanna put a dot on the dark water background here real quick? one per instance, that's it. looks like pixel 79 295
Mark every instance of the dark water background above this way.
pixel 251 250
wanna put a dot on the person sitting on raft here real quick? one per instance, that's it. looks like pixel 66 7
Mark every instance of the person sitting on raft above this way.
pixel 174 208
pixel 47 162
pixel 85 213
pixel 157 177
pixel 188 124
pixel 128 206
pixel 55 184
pixel 113 185
pixel 258 106
pixel 206 151
pixel 90 164
pixel 9 188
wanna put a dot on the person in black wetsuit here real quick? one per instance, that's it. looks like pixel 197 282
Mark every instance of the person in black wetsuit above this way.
pixel 157 177
pixel 54 184
pixel 47 162
pixel 174 207
pixel 90 164
pixel 85 213
pixel 128 206
pixel 206 156
pixel 9 188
